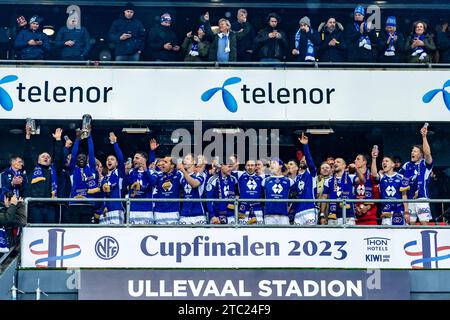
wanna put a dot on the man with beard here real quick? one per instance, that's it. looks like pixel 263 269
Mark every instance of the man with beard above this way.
pixel 271 43
pixel 332 45
pixel 83 174
pixel 305 213
pixel 249 183
pixel 111 185
pixel 340 186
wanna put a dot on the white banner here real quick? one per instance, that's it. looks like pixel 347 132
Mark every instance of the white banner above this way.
pixel 225 94
pixel 235 248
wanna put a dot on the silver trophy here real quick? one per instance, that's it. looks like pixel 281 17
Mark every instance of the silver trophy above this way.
pixel 32 124
pixel 85 126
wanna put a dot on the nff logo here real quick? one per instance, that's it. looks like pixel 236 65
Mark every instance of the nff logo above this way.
pixel 106 248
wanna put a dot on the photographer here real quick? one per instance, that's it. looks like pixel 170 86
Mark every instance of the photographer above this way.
pixel 12 212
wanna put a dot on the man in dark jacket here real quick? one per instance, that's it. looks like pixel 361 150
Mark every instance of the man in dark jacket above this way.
pixel 128 34
pixel 246 37
pixel 443 42
pixel 43 178
pixel 271 43
pixel 305 42
pixel 13 179
pixel 332 45
pixel 390 43
pixel 162 41
pixel 360 38
pixel 12 212
pixel 20 24
pixel 73 40
pixel 32 43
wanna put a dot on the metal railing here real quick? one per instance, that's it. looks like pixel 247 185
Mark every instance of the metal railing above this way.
pixel 215 65
pixel 236 203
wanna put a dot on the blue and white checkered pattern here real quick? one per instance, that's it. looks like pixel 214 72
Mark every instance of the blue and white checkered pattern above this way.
pixel 112 217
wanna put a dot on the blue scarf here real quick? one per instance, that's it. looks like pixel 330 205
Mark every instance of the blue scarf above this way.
pixel 419 50
pixel 364 41
pixel 390 51
pixel 194 49
pixel 38 176
pixel 309 46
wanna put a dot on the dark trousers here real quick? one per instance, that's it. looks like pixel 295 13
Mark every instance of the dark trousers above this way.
pixel 41 213
pixel 82 213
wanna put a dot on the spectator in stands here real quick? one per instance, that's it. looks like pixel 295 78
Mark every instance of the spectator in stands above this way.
pixel 330 161
pixel 12 212
pixel 162 41
pixel 222 185
pixel 420 44
pixel 223 44
pixel 43 178
pixel 360 38
pixel 340 186
pixel 271 44
pixel 73 40
pixel 366 211
pixel 195 46
pixel 127 33
pixel 417 173
pixel 443 42
pixel 84 179
pixel 305 42
pixel 20 24
pixel 390 43
pixel 332 45
pixel 276 186
pixel 397 162
pixel 13 179
pixel 245 36
pixel 32 43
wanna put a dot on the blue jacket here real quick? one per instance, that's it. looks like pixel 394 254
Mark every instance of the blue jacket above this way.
pixel 131 45
pixel 82 43
pixel 28 52
pixel 5 183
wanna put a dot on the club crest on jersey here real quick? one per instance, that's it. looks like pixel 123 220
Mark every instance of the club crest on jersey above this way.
pixel 277 188
pixel 361 190
pixel 251 184
pixel 187 189
pixel 390 191
pixel 167 185
pixel 301 185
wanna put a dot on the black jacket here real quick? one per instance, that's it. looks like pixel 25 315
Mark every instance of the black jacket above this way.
pixel 266 47
pixel 355 53
pixel 382 46
pixel 82 44
pixel 245 40
pixel 443 44
pixel 303 45
pixel 131 45
pixel 42 189
pixel 327 53
pixel 157 38
pixel 13 216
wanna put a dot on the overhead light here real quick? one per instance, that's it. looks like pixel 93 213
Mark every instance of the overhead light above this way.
pixel 320 131
pixel 136 130
pixel 16 131
pixel 48 30
pixel 226 130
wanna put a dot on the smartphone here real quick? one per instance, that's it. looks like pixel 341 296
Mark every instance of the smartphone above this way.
pixel 66 138
pixel 130 161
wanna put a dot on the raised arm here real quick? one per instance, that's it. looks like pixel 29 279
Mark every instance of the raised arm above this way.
pixel 373 166
pixel 152 154
pixel 73 159
pixel 58 150
pixel 426 146
pixel 194 183
pixel 91 160
pixel 119 154
pixel 309 160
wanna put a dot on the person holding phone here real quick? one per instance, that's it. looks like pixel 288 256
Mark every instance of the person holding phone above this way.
pixel 163 41
pixel 73 40
pixel 32 43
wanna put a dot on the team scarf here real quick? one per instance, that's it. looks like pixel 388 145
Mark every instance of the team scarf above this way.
pixel 38 176
pixel 194 50
pixel 364 41
pixel 341 185
pixel 390 51
pixel 419 50
pixel 80 177
pixel 309 46
pixel 227 38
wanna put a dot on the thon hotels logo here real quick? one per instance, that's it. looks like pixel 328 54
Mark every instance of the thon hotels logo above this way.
pixel 47 92
pixel 427 97
pixel 268 93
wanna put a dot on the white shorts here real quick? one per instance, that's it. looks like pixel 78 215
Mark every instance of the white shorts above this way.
pixel 167 217
pixel 112 217
pixel 340 222
pixel 258 215
pixel 276 219
pixel 419 210
pixel 142 217
pixel 192 220
pixel 306 217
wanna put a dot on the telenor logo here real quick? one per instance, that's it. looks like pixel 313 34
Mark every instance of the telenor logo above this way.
pixel 5 99
pixel 445 95
pixel 228 100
